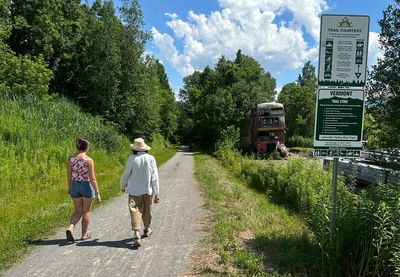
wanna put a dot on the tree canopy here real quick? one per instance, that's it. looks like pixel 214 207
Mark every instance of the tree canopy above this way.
pixel 383 88
pixel 90 54
pixel 307 78
pixel 299 102
pixel 217 98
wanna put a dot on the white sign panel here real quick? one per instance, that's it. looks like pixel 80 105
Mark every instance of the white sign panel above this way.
pixel 343 50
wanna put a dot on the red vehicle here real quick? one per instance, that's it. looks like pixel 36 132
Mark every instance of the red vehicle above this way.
pixel 267 128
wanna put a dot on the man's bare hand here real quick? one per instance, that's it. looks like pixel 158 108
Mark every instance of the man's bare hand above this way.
pixel 156 199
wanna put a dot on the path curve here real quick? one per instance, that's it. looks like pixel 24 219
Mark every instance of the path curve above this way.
pixel 176 225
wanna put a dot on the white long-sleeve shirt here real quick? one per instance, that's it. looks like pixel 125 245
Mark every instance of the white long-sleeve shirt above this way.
pixel 141 175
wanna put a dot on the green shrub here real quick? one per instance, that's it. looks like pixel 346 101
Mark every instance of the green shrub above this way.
pixel 23 75
pixel 158 143
pixel 229 139
pixel 299 141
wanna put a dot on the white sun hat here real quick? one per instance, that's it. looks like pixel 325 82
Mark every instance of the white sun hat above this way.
pixel 139 145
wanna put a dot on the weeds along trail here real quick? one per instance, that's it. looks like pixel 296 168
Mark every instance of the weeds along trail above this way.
pixel 366 221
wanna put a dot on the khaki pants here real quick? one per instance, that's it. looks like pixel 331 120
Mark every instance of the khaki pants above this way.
pixel 140 209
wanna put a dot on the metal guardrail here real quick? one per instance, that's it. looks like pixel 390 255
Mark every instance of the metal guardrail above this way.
pixel 388 156
pixel 363 171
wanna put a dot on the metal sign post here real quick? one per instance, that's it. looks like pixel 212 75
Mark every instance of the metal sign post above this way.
pixel 333 198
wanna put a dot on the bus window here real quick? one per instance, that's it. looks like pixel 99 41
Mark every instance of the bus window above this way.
pixel 262 133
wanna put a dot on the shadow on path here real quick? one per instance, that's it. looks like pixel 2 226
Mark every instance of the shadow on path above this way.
pixel 125 243
pixel 186 151
pixel 59 242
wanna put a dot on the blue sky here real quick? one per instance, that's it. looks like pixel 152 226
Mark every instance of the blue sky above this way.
pixel 281 34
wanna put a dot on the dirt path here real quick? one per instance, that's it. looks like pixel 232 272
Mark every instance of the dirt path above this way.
pixel 109 252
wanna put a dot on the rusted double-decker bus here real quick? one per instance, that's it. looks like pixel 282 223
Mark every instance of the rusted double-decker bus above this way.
pixel 267 128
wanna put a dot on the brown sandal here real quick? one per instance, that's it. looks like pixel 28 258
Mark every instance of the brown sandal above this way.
pixel 86 237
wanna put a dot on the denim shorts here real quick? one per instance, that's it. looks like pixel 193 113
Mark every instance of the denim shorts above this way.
pixel 82 189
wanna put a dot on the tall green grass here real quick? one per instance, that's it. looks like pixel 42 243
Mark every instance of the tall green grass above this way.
pixel 367 235
pixel 36 138
pixel 250 235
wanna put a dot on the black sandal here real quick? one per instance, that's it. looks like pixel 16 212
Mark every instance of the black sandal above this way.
pixel 69 235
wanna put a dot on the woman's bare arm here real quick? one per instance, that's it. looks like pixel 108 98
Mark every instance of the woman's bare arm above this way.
pixel 93 180
pixel 69 174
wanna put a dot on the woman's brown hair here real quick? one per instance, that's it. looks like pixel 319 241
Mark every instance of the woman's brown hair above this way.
pixel 82 144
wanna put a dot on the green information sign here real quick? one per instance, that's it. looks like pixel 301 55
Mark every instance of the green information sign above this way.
pixel 339 122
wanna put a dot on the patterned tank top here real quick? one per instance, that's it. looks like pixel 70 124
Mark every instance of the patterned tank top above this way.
pixel 80 169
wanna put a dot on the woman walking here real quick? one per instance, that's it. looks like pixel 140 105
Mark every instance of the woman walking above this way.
pixel 82 186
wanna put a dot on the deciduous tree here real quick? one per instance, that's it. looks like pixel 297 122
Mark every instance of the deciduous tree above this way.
pixel 217 98
pixel 299 103
pixel 383 88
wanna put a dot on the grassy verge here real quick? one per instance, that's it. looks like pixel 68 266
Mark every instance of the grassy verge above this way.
pixel 250 236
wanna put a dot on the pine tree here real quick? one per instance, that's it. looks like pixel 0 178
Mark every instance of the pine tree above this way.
pixel 307 76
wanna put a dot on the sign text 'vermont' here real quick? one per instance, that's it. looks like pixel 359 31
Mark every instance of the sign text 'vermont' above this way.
pixel 341 93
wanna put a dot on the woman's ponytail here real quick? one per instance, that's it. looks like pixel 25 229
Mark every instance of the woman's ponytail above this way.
pixel 82 144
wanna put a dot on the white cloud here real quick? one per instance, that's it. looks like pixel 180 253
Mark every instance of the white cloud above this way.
pixel 254 26
pixel 169 53
pixel 374 52
pixel 172 15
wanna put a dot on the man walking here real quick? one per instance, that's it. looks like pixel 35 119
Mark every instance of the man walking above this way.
pixel 140 179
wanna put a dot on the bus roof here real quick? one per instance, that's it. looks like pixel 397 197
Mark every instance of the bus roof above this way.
pixel 269 105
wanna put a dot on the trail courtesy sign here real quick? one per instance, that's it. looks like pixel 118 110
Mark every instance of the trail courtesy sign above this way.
pixel 343 50
pixel 339 122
